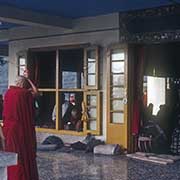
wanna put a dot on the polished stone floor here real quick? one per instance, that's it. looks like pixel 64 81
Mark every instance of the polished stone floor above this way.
pixel 82 166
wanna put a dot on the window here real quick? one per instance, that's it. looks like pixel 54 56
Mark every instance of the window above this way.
pixel 71 68
pixel 156 92
pixel 91 68
pixel 3 80
pixel 21 65
pixel 45 110
pixel 92 101
pixel 116 85
pixel 68 83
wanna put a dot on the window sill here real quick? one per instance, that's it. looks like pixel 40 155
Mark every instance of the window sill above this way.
pixel 64 132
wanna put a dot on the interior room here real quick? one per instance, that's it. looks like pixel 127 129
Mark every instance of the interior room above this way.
pixel 161 97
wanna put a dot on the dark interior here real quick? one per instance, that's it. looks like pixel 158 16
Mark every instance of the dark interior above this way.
pixel 44 105
pixel 43 68
pixel 71 68
pixel 162 60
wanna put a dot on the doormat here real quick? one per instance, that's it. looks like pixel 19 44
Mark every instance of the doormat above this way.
pixel 163 159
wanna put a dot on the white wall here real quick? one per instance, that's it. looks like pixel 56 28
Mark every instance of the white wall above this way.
pixel 101 30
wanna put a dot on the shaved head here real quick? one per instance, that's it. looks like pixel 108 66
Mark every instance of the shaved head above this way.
pixel 22 82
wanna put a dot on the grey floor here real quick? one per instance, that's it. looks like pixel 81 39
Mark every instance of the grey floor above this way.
pixel 82 166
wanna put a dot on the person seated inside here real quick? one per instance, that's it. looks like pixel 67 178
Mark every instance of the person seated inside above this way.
pixel 64 107
pixel 74 120
pixel 148 114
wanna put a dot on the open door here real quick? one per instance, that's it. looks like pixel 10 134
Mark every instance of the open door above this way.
pixel 117 96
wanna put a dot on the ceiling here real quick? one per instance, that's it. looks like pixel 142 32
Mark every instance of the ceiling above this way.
pixel 68 9
pixel 79 8
pixel 15 13
pixel 84 8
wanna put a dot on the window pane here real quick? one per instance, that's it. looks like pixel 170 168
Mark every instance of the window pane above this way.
pixel 117 92
pixel 117 67
pixel 71 68
pixel 22 61
pixel 70 111
pixel 21 70
pixel 117 105
pixel 44 68
pixel 71 79
pixel 45 110
pixel 91 100
pixel 117 55
pixel 91 80
pixel 92 113
pixel 91 55
pixel 117 80
pixel 3 81
pixel 91 68
pixel 117 117
pixel 92 125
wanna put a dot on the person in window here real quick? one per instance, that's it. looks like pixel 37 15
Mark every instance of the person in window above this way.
pixel 18 128
pixel 64 107
pixel 74 122
pixel 66 113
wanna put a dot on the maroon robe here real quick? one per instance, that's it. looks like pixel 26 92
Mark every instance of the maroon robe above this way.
pixel 19 132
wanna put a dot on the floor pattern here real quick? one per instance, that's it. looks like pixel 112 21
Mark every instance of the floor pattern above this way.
pixel 83 166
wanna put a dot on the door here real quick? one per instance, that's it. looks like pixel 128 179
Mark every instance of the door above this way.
pixel 117 96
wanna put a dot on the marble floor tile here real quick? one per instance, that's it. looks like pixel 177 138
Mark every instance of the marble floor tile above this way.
pixel 82 166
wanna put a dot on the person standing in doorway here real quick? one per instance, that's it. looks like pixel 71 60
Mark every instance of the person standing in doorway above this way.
pixel 18 128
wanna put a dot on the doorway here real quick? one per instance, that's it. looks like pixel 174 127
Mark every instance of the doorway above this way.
pixel 161 84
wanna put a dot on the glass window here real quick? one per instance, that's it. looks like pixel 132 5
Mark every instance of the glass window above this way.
pixel 71 79
pixel 45 110
pixel 21 66
pixel 3 80
pixel 117 67
pixel 117 117
pixel 117 55
pixel 43 69
pixel 91 100
pixel 92 112
pixel 22 61
pixel 92 125
pixel 92 107
pixel 91 80
pixel 71 68
pixel 91 68
pixel 91 55
pixel 117 105
pixel 70 111
pixel 62 76
pixel 118 80
pixel 117 92
pixel 117 86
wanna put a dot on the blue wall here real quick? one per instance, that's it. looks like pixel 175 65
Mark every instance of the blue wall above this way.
pixel 3 77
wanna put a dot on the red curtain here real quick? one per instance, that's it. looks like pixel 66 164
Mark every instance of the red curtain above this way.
pixel 138 90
